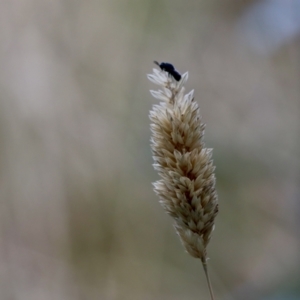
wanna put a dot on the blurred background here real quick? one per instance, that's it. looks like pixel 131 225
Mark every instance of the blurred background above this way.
pixel 79 218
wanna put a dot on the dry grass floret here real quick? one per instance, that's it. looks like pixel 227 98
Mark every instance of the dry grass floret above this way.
pixel 187 186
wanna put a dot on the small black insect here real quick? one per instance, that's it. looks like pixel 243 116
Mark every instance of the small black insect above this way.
pixel 169 68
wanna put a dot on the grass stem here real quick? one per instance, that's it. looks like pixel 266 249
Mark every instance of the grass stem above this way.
pixel 204 264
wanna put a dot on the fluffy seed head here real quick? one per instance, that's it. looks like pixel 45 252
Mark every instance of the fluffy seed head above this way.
pixel 187 186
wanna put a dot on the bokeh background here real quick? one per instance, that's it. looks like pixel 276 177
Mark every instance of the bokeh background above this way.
pixel 79 219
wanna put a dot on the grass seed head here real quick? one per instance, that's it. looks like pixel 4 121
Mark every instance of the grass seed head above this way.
pixel 187 186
